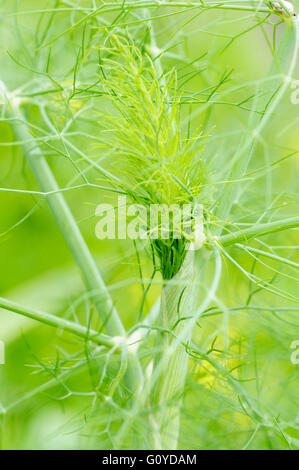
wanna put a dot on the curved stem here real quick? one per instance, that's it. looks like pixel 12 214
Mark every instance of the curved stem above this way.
pixel 269 95
pixel 176 303
pixel 72 236
pixel 258 230
pixel 66 222
pixel 57 322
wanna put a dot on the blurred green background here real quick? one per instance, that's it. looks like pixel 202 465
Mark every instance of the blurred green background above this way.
pixel 37 269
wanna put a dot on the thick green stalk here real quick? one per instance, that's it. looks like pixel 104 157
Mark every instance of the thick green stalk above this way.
pixel 67 223
pixel 72 236
pixel 258 230
pixel 59 323
pixel 177 301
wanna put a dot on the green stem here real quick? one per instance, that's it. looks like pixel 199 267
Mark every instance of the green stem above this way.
pixel 258 230
pixel 72 236
pixel 181 302
pixel 269 95
pixel 176 302
pixel 60 323
pixel 67 223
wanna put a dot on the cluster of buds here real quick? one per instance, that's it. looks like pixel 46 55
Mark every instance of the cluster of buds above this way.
pixel 284 7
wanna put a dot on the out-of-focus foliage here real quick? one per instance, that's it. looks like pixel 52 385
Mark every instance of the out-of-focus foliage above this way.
pixel 242 388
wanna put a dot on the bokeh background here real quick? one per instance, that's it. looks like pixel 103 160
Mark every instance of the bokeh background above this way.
pixel 221 56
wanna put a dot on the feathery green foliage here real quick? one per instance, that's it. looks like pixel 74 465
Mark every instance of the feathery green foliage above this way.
pixel 165 103
pixel 155 161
